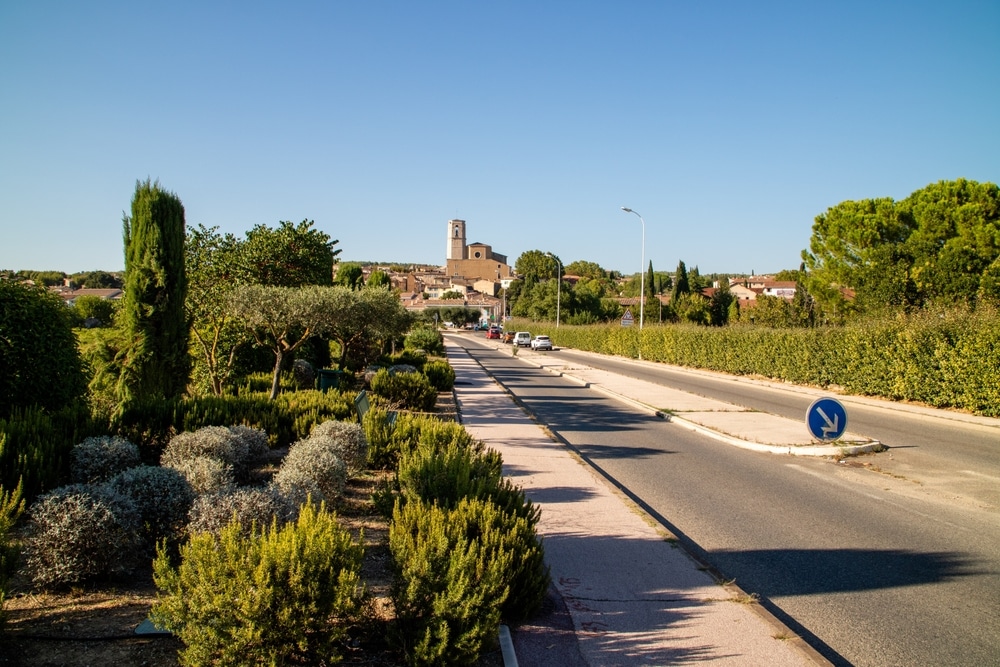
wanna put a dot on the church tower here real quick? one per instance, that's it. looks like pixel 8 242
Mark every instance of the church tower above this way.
pixel 456 239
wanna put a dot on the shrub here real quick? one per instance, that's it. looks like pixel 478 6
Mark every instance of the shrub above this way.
pixel 35 447
pixel 216 442
pixel 383 450
pixel 204 474
pixel 424 338
pixel 285 419
pixel 415 358
pixel 256 441
pixel 449 586
pixel 163 498
pixel 39 355
pixel 253 509
pixel 440 374
pixel 80 532
pixel 318 460
pixel 297 488
pixel 98 459
pixel 410 391
pixel 11 506
pixel 346 439
pixel 283 597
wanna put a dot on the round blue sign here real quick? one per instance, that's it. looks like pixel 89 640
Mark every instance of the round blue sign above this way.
pixel 826 419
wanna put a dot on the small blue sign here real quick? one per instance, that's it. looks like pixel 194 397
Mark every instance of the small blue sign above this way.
pixel 826 419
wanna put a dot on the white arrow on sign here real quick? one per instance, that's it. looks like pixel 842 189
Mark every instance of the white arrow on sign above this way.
pixel 831 426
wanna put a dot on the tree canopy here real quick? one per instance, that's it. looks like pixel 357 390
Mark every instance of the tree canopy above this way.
pixel 942 243
pixel 288 256
pixel 535 265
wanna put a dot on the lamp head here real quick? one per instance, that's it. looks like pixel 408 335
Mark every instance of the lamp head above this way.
pixel 626 209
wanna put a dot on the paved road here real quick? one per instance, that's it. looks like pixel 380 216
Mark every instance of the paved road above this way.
pixel 869 570
pixel 944 453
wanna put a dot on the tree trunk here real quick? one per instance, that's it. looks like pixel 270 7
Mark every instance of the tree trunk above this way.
pixel 279 356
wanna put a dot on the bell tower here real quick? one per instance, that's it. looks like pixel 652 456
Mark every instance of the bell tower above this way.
pixel 456 239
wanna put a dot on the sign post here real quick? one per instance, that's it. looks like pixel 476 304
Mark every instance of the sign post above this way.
pixel 826 419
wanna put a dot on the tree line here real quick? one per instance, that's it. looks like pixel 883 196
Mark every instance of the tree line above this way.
pixel 939 246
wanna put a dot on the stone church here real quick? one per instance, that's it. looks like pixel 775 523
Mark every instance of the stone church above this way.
pixel 474 262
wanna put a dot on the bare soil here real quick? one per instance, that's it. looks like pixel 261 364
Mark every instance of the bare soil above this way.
pixel 95 627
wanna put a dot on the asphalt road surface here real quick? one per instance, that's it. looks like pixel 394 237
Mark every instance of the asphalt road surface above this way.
pixel 871 568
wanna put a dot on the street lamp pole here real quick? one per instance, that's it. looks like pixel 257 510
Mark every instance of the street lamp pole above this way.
pixel 558 284
pixel 642 266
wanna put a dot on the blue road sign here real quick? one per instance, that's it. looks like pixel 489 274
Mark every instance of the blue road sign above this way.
pixel 826 419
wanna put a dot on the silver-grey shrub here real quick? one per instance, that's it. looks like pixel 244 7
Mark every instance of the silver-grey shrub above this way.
pixel 162 497
pixel 100 458
pixel 80 532
pixel 258 507
pixel 255 439
pixel 347 440
pixel 204 474
pixel 316 460
pixel 297 487
pixel 217 442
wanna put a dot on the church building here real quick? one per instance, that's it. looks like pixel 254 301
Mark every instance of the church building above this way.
pixel 473 262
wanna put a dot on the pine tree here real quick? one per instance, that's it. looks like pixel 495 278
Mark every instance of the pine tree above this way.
pixel 155 362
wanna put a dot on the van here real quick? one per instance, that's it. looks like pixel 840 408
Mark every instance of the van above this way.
pixel 522 339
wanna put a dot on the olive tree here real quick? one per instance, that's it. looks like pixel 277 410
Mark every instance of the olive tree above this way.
pixel 282 318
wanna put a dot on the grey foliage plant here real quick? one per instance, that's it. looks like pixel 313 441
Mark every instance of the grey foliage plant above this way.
pixel 316 461
pixel 204 474
pixel 100 458
pixel 255 439
pixel 251 507
pixel 346 439
pixel 216 442
pixel 162 497
pixel 80 532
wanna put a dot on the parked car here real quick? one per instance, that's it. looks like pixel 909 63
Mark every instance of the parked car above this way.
pixel 493 332
pixel 541 343
pixel 508 337
pixel 522 338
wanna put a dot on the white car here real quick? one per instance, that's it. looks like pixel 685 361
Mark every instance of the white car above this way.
pixel 541 343
pixel 522 339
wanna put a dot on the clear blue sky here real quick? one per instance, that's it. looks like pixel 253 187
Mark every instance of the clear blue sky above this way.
pixel 729 126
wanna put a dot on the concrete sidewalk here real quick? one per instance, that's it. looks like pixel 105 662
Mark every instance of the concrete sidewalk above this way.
pixel 623 592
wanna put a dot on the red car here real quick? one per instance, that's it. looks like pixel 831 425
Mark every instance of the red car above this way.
pixel 493 332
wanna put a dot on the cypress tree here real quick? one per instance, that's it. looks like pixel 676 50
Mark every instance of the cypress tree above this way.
pixel 681 285
pixel 650 282
pixel 155 361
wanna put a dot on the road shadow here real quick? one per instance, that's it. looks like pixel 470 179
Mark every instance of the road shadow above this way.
pixel 823 571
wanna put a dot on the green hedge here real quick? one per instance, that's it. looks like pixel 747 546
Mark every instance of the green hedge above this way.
pixel 286 419
pixel 35 446
pixel 947 360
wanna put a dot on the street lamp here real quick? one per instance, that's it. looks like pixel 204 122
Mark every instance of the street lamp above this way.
pixel 558 284
pixel 642 267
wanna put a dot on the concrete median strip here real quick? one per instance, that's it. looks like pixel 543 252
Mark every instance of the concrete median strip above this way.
pixel 726 422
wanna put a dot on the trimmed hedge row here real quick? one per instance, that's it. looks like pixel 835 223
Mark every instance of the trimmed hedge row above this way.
pixel 947 360
pixel 286 419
